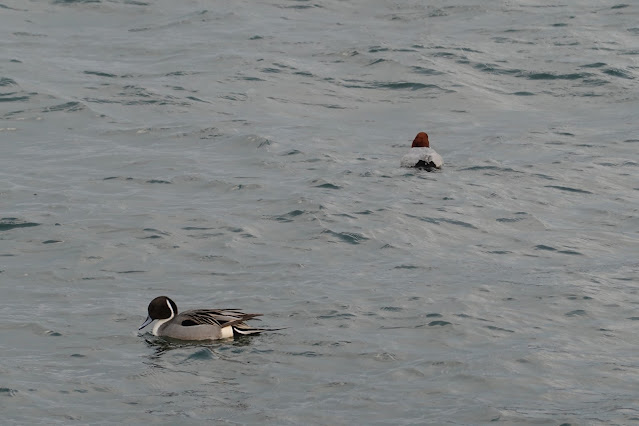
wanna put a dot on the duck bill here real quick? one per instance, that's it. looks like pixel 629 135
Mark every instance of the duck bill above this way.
pixel 147 321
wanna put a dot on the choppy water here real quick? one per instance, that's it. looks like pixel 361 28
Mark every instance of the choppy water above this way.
pixel 245 154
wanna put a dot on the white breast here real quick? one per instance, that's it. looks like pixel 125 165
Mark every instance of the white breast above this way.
pixel 426 155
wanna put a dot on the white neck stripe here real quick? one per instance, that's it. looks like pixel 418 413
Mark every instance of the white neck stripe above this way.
pixel 170 308
pixel 158 323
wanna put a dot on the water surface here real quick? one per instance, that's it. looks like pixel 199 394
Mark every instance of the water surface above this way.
pixel 246 154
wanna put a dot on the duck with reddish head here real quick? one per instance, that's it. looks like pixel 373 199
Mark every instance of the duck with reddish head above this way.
pixel 421 155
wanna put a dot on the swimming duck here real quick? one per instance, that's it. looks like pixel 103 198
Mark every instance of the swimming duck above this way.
pixel 421 155
pixel 197 324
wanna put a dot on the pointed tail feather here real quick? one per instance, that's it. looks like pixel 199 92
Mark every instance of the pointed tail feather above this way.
pixel 245 330
pixel 240 321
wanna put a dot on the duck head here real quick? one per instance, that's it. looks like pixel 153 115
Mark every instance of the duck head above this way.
pixel 160 308
pixel 421 141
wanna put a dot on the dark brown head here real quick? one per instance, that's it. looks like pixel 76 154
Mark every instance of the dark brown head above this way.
pixel 160 308
pixel 421 141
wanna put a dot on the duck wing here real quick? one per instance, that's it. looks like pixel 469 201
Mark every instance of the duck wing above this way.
pixel 221 318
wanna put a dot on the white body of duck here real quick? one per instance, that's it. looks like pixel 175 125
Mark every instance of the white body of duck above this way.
pixel 421 155
pixel 422 158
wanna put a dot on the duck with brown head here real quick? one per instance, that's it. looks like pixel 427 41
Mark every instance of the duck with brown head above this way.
pixel 421 155
pixel 421 141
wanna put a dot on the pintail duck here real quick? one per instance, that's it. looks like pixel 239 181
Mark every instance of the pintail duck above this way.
pixel 421 155
pixel 198 324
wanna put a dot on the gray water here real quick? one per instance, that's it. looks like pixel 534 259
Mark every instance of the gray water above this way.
pixel 246 154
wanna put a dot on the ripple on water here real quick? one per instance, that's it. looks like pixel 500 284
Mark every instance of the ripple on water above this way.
pixel 594 65
pixel 392 85
pixel 5 81
pixel 8 391
pixel 440 220
pixel 15 93
pixel 491 169
pixel 335 314
pixel 202 354
pixel 100 74
pixel 65 107
pixel 509 219
pixel 496 69
pixel 328 186
pixel 287 217
pixel 618 72
pixel 7 223
pixel 346 237
pixel 439 323
pixel 569 189
pixel 571 252
pixel 75 1
pixel 425 71
pixel 495 328
pixel 553 76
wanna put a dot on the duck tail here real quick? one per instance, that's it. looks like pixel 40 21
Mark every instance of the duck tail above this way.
pixel 246 330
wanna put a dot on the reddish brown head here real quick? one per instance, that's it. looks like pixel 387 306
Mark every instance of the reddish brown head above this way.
pixel 421 141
